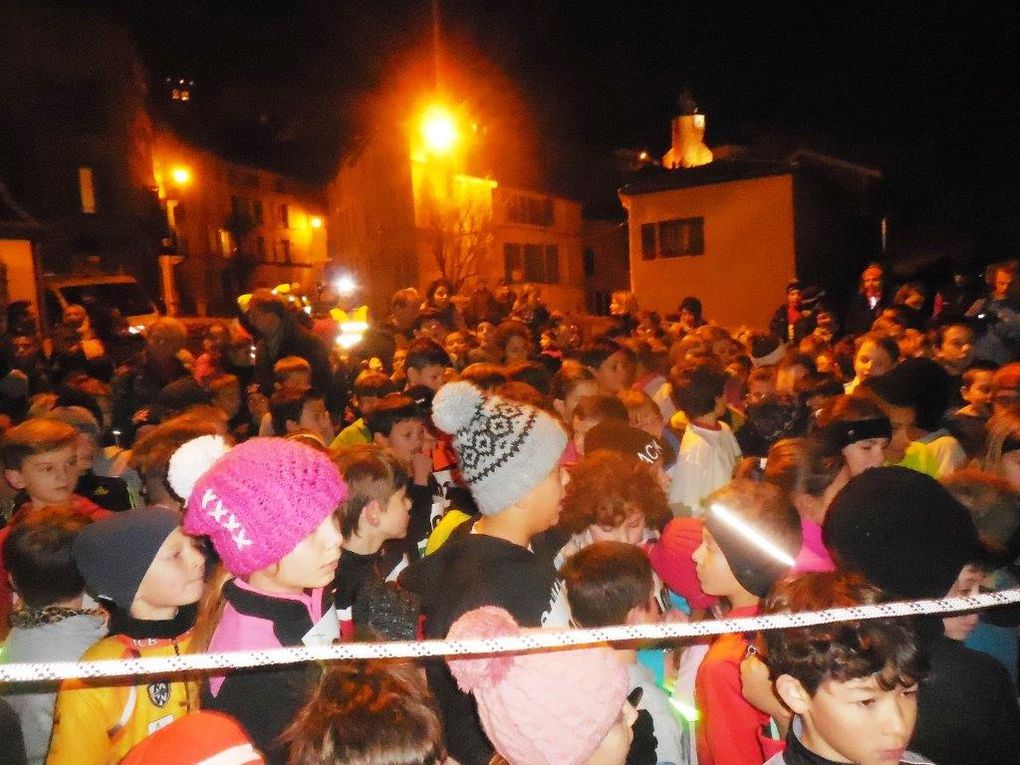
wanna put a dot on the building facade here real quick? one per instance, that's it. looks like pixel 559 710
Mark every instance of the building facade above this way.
pixel 235 227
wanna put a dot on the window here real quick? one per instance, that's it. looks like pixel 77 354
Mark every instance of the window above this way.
pixel 589 262
pixel 513 264
pixel 285 250
pixel 256 212
pixel 535 211
pixel 673 238
pixel 531 263
pixel 260 247
pixel 284 216
pixel 647 241
pixel 239 206
pixel 87 190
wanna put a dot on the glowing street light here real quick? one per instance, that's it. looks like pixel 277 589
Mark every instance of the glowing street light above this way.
pixel 181 175
pixel 315 221
pixel 439 129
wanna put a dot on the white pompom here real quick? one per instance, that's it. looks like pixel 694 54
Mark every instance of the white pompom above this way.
pixel 454 405
pixel 191 460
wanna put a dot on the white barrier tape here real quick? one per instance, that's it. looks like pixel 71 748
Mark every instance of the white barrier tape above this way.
pixel 529 641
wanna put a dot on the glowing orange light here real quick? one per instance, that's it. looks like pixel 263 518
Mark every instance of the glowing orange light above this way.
pixel 439 129
pixel 643 156
pixel 181 175
pixel 315 221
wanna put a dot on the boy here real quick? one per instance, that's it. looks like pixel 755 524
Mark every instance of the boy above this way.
pixel 967 423
pixel 150 575
pixel 398 426
pixel 53 623
pixel 376 511
pixel 289 373
pixel 426 363
pixel 853 685
pixel 296 411
pixel 107 492
pixel 40 457
pixel 611 583
pixel 509 458
pixel 708 450
pixel 370 388
pixel 750 538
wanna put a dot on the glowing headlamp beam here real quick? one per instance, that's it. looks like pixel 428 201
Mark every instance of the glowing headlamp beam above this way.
pixel 751 534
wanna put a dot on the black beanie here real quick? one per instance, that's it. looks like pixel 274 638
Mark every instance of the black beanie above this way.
pixel 902 530
pixel 114 554
pixel 753 567
pixel 618 436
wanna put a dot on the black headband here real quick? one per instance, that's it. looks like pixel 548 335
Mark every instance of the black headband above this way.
pixel 845 432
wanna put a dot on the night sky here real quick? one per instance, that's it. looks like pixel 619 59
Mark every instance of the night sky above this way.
pixel 920 90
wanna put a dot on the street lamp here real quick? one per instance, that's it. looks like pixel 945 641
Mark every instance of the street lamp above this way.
pixel 315 221
pixel 181 175
pixel 439 129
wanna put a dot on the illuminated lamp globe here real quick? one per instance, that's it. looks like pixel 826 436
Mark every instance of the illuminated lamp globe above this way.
pixel 181 175
pixel 439 129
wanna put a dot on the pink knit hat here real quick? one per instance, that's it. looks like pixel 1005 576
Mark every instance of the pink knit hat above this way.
pixel 257 501
pixel 671 560
pixel 550 708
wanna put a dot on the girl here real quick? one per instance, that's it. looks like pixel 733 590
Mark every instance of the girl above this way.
pixel 856 428
pixel 267 508
pixel 875 355
pixel 551 708
pixel 1002 453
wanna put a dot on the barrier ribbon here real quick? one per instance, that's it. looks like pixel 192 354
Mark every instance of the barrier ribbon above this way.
pixel 530 641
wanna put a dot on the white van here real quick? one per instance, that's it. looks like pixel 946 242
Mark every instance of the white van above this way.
pixel 117 291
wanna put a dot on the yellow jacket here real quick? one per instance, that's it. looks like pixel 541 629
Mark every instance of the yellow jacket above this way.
pixel 96 722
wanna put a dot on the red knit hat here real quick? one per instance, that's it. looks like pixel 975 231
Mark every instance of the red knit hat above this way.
pixel 195 739
pixel 671 559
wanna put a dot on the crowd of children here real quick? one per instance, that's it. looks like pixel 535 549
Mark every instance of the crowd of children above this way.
pixel 480 469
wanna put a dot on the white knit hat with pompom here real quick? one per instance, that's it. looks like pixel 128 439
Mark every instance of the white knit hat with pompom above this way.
pixel 504 448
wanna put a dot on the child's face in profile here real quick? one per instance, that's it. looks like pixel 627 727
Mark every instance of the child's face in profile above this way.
pixel 864 454
pixel 315 418
pixel 313 562
pixel 979 393
pixel 406 439
pixel 871 361
pixel 396 515
pixel 175 578
pixel 582 389
pixel 713 569
pixel 857 721
pixel 613 374
pixel 431 376
pixel 967 583
pixel 49 478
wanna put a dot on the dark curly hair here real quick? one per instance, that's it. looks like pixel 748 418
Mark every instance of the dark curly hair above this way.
pixel 605 487
pixel 884 648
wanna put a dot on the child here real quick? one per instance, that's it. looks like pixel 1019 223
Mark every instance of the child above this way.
pixel 750 538
pixel 376 511
pixel 612 497
pixel 570 384
pixel 907 535
pixel 509 457
pixel 875 355
pixel 761 384
pixel 52 623
pixel 267 507
pixel 610 363
pixel 857 429
pixel 40 457
pixel 589 412
pixel 289 373
pixel 370 388
pixel 426 363
pixel 708 450
pixel 611 583
pixel 305 412
pixel 109 493
pixel 397 425
pixel 853 685
pixel 151 454
pixel 456 347
pixel 551 708
pixel 139 564
pixel 225 394
pixel 967 423
pixel 373 712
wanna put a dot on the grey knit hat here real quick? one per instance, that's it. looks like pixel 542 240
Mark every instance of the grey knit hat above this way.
pixel 505 449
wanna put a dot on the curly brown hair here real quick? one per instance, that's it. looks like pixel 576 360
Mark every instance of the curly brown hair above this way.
pixel 605 487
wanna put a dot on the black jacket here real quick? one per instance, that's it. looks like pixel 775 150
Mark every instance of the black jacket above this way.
pixel 470 571
pixel 295 340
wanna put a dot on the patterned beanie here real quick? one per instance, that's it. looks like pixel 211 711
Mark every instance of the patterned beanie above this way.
pixel 505 449
pixel 549 708
pixel 257 501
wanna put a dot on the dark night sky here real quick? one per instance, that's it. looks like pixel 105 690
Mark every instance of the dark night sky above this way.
pixel 922 90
